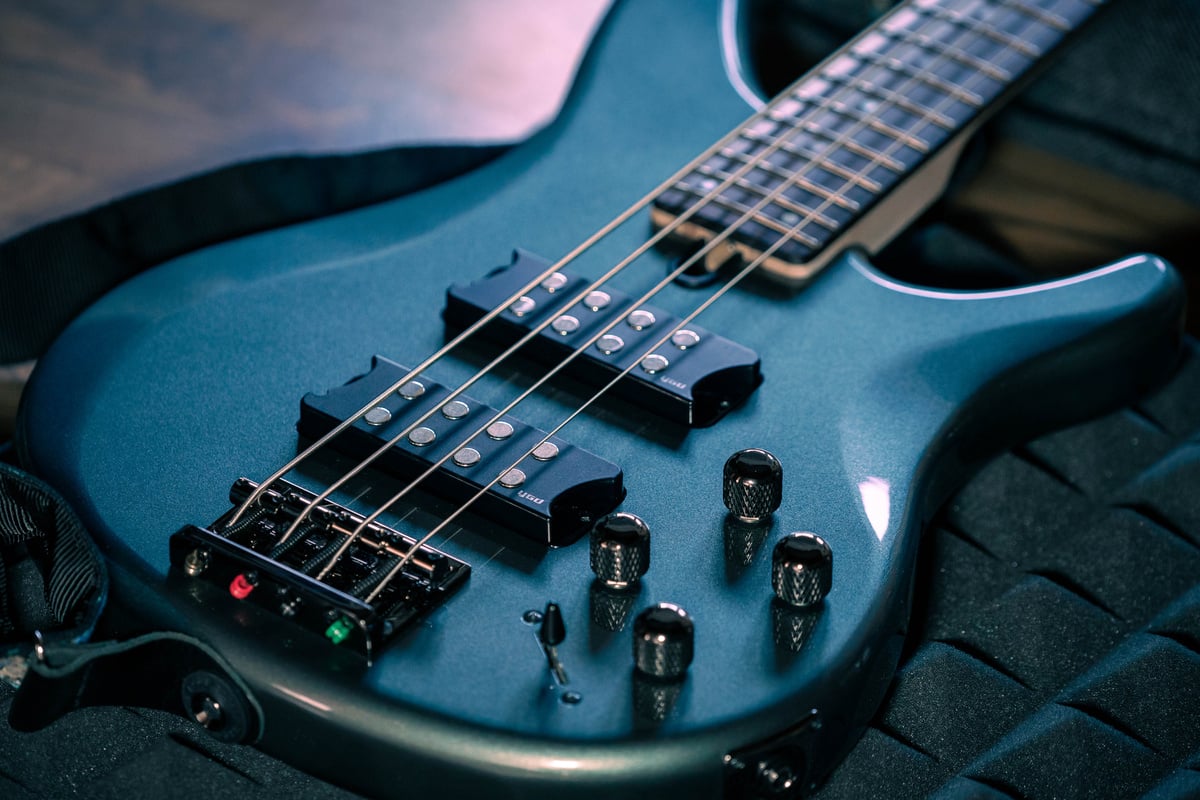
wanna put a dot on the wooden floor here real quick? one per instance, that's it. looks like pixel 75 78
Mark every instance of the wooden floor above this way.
pixel 100 98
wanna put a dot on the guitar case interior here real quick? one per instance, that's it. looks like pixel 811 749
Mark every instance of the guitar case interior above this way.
pixel 1054 649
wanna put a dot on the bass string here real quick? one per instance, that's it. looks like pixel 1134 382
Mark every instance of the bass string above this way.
pixel 717 239
pixel 825 103
pixel 567 259
pixel 570 257
pixel 728 286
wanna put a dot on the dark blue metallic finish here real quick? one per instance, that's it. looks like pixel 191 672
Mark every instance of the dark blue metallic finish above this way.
pixel 880 395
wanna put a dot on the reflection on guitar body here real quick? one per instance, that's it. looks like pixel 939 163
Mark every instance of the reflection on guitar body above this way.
pixel 643 516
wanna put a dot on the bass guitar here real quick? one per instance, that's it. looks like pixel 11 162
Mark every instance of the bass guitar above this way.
pixel 602 468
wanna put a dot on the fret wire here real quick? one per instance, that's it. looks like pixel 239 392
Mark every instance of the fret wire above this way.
pixel 976 63
pixel 821 161
pixel 846 111
pixel 924 76
pixel 878 125
pixel 900 101
pixel 1045 17
pixel 741 208
pixel 836 197
pixel 859 149
pixel 785 230
pixel 980 26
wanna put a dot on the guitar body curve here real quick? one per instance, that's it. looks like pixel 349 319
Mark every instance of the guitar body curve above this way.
pixel 877 397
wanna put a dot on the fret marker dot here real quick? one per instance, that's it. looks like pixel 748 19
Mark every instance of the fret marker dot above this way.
pixel 412 390
pixel 609 344
pixel 422 436
pixel 499 430
pixel 545 451
pixel 655 363
pixel 467 457
pixel 523 306
pixel 789 218
pixel 455 409
pixel 377 416
pixel 684 339
pixel 565 324
pixel 512 479
pixel 554 282
pixel 640 319
pixel 597 300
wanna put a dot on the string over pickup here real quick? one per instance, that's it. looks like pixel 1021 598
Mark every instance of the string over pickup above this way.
pixel 694 378
pixel 552 496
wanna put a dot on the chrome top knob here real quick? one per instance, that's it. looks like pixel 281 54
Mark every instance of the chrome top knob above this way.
pixel 620 549
pixel 801 569
pixel 662 641
pixel 752 484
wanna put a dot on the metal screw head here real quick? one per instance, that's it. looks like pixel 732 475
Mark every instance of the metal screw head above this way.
pixel 752 485
pixel 801 569
pixel 663 641
pixel 620 549
pixel 196 562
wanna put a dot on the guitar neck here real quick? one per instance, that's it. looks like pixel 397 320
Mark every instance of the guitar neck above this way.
pixel 856 149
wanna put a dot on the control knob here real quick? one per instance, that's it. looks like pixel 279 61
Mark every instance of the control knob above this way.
pixel 752 484
pixel 801 569
pixel 663 638
pixel 620 549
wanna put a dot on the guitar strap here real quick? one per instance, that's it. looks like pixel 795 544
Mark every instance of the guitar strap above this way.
pixel 53 584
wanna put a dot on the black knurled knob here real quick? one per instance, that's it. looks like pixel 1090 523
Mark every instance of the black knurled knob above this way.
pixel 620 549
pixel 663 637
pixel 753 484
pixel 801 569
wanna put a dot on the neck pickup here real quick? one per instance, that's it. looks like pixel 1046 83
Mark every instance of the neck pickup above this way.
pixel 694 378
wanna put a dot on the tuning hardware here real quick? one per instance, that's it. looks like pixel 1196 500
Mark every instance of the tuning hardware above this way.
pixel 753 484
pixel 801 569
pixel 551 634
pixel 620 549
pixel 663 638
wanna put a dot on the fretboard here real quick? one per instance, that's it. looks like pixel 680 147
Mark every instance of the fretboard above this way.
pixel 804 177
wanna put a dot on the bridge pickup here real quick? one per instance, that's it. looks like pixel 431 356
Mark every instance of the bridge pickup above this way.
pixel 694 378
pixel 247 561
pixel 552 496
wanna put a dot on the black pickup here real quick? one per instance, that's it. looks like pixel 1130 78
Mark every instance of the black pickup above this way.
pixel 552 496
pixel 693 379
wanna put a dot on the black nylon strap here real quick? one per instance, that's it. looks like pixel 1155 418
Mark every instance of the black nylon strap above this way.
pixel 51 574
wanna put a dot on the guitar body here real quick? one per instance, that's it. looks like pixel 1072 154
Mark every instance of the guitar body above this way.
pixel 877 398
